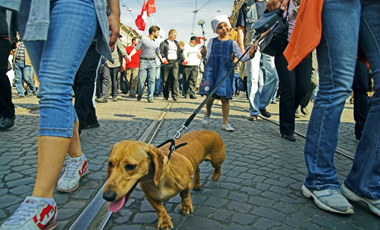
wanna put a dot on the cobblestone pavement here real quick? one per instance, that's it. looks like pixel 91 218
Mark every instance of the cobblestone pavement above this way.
pixel 261 176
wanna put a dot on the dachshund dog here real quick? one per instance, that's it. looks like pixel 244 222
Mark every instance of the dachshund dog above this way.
pixel 160 178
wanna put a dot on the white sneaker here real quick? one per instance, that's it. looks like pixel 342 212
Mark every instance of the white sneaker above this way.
pixel 330 200
pixel 76 168
pixel 228 128
pixel 205 119
pixel 373 205
pixel 34 213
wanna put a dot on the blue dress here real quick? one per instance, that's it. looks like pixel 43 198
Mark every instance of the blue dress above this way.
pixel 218 65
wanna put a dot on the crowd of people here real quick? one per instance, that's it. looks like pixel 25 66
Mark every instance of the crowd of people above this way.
pixel 93 47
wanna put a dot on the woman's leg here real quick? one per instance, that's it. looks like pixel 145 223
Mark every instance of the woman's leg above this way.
pixel 209 105
pixel 225 109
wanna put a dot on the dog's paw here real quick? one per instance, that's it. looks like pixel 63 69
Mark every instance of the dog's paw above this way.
pixel 215 176
pixel 196 186
pixel 165 225
pixel 186 209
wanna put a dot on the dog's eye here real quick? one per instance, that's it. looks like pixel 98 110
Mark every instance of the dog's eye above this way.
pixel 130 167
pixel 110 164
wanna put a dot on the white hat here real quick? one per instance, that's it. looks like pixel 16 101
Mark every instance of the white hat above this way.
pixel 219 19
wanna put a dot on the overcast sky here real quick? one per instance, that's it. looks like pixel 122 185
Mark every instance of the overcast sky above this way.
pixel 177 15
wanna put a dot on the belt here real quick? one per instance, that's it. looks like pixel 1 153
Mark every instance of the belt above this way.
pixel 21 59
pixel 149 59
pixel 172 59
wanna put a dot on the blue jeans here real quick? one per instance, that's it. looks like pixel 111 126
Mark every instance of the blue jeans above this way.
pixel 158 81
pixel 270 80
pixel 23 73
pixel 72 28
pixel 147 69
pixel 336 70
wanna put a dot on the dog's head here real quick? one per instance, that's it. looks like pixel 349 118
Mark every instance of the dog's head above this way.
pixel 129 162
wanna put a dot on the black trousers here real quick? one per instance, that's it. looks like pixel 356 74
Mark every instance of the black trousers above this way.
pixel 84 86
pixel 170 78
pixel 314 81
pixel 7 109
pixel 294 86
pixel 360 88
pixel 190 74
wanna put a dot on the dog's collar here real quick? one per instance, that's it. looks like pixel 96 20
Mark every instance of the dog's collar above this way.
pixel 172 146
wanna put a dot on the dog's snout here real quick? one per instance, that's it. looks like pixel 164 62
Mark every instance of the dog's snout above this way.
pixel 109 195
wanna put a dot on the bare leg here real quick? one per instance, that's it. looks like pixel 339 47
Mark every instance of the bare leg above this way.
pixel 75 149
pixel 209 105
pixel 225 109
pixel 51 155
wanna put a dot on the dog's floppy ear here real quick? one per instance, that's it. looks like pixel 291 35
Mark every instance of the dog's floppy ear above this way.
pixel 158 161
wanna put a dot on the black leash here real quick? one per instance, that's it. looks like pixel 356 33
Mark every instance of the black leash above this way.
pixel 190 119
pixel 172 146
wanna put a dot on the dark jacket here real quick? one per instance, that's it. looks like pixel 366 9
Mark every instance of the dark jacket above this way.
pixel 3 24
pixel 164 49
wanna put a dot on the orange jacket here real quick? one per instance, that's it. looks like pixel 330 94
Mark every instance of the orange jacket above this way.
pixel 307 32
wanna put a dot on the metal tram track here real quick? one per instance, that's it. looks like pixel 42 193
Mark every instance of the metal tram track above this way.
pixel 96 214
pixel 338 150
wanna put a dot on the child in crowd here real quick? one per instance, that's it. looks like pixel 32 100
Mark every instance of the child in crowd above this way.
pixel 219 61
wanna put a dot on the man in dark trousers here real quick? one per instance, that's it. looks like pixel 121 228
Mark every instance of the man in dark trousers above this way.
pixel 84 86
pixel 171 54
pixel 7 109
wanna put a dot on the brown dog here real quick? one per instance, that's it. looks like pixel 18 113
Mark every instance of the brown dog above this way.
pixel 160 179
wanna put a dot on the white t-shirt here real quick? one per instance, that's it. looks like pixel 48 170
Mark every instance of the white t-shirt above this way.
pixel 172 52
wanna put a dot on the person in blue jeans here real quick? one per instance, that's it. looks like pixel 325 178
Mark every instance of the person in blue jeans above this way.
pixel 57 34
pixel 350 22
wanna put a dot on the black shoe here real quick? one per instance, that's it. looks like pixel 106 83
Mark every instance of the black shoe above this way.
pixel 132 95
pixel 92 125
pixel 150 100
pixel 115 99
pixel 175 99
pixel 165 98
pixel 7 123
pixel 101 100
pixel 186 96
pixel 139 97
pixel 265 113
pixel 156 95
pixel 193 97
pixel 289 137
pixel 304 110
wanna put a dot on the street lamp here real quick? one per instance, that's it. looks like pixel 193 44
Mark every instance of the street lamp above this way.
pixel 201 23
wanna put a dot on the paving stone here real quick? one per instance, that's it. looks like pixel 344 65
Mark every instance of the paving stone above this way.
pixel 324 222
pixel 222 215
pixel 269 213
pixel 146 206
pixel 198 199
pixel 21 190
pixel 130 227
pixel 216 192
pixel 75 204
pixel 204 211
pixel 305 213
pixel 279 190
pixel 84 194
pixel 196 222
pixel 293 222
pixel 239 207
pixel 261 201
pixel 8 200
pixel 123 216
pixel 65 213
pixel 19 182
pixel 243 219
pixel 238 196
pixel 215 202
pixel 264 223
pixel 235 226
pixel 271 195
pixel 145 218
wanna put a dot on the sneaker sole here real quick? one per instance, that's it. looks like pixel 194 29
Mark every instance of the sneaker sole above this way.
pixel 52 226
pixel 307 193
pixel 76 186
pixel 352 196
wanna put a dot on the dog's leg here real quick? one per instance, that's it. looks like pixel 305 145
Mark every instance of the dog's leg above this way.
pixel 196 181
pixel 186 205
pixel 217 170
pixel 164 221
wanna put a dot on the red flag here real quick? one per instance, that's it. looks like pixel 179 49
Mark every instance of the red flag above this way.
pixel 200 38
pixel 141 19
pixel 150 8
